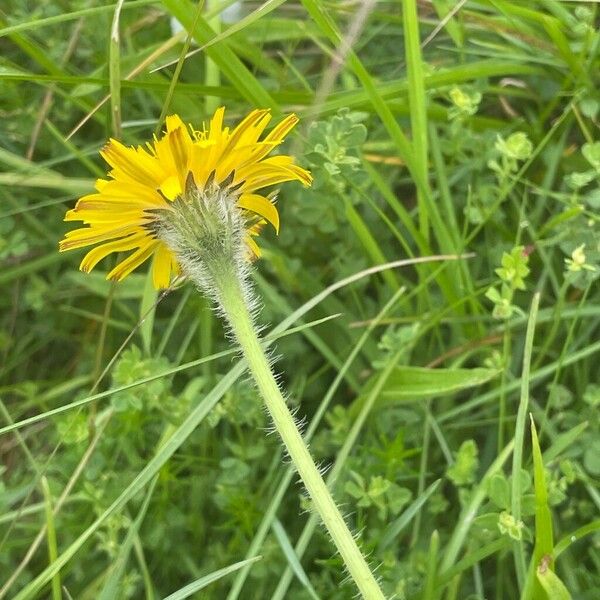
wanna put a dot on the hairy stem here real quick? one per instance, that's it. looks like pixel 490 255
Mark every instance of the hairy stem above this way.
pixel 233 303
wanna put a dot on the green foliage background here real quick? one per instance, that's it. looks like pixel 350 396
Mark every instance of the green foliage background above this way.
pixel 430 127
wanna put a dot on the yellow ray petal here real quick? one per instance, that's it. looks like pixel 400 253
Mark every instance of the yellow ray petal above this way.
pixel 135 193
pixel 272 165
pixel 251 155
pixel 93 257
pixel 161 267
pixel 174 152
pixel 280 131
pixel 216 125
pixel 86 236
pixel 253 248
pixel 133 261
pixel 275 137
pixel 275 177
pixel 260 206
pixel 180 144
pixel 248 131
pixel 116 203
pixel 116 206
pixel 134 163
pixel 171 187
pixel 103 216
pixel 200 164
pixel 100 184
pixel 174 122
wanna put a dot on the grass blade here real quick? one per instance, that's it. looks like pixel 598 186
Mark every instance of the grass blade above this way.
pixel 418 107
pixel 196 586
pixel 148 312
pixel 516 492
pixel 114 72
pixel 117 571
pixel 222 55
pixel 432 558
pixel 51 534
pixel 544 543
pixel 394 529
pixel 292 558
pixel 555 589
pixel 465 519
pixel 544 540
pixel 327 26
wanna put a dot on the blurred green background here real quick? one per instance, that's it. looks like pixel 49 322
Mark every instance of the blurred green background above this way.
pixel 135 455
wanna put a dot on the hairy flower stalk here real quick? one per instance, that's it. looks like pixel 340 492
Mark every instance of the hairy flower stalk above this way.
pixel 190 201
pixel 206 234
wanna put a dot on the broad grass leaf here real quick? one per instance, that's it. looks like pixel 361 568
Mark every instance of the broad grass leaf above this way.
pixel 408 383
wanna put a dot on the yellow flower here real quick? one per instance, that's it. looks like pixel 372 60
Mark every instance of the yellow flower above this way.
pixel 145 181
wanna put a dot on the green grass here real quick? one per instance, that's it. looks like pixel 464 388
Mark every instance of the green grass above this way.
pixel 135 460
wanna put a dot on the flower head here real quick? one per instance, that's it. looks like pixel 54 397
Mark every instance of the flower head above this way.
pixel 145 184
